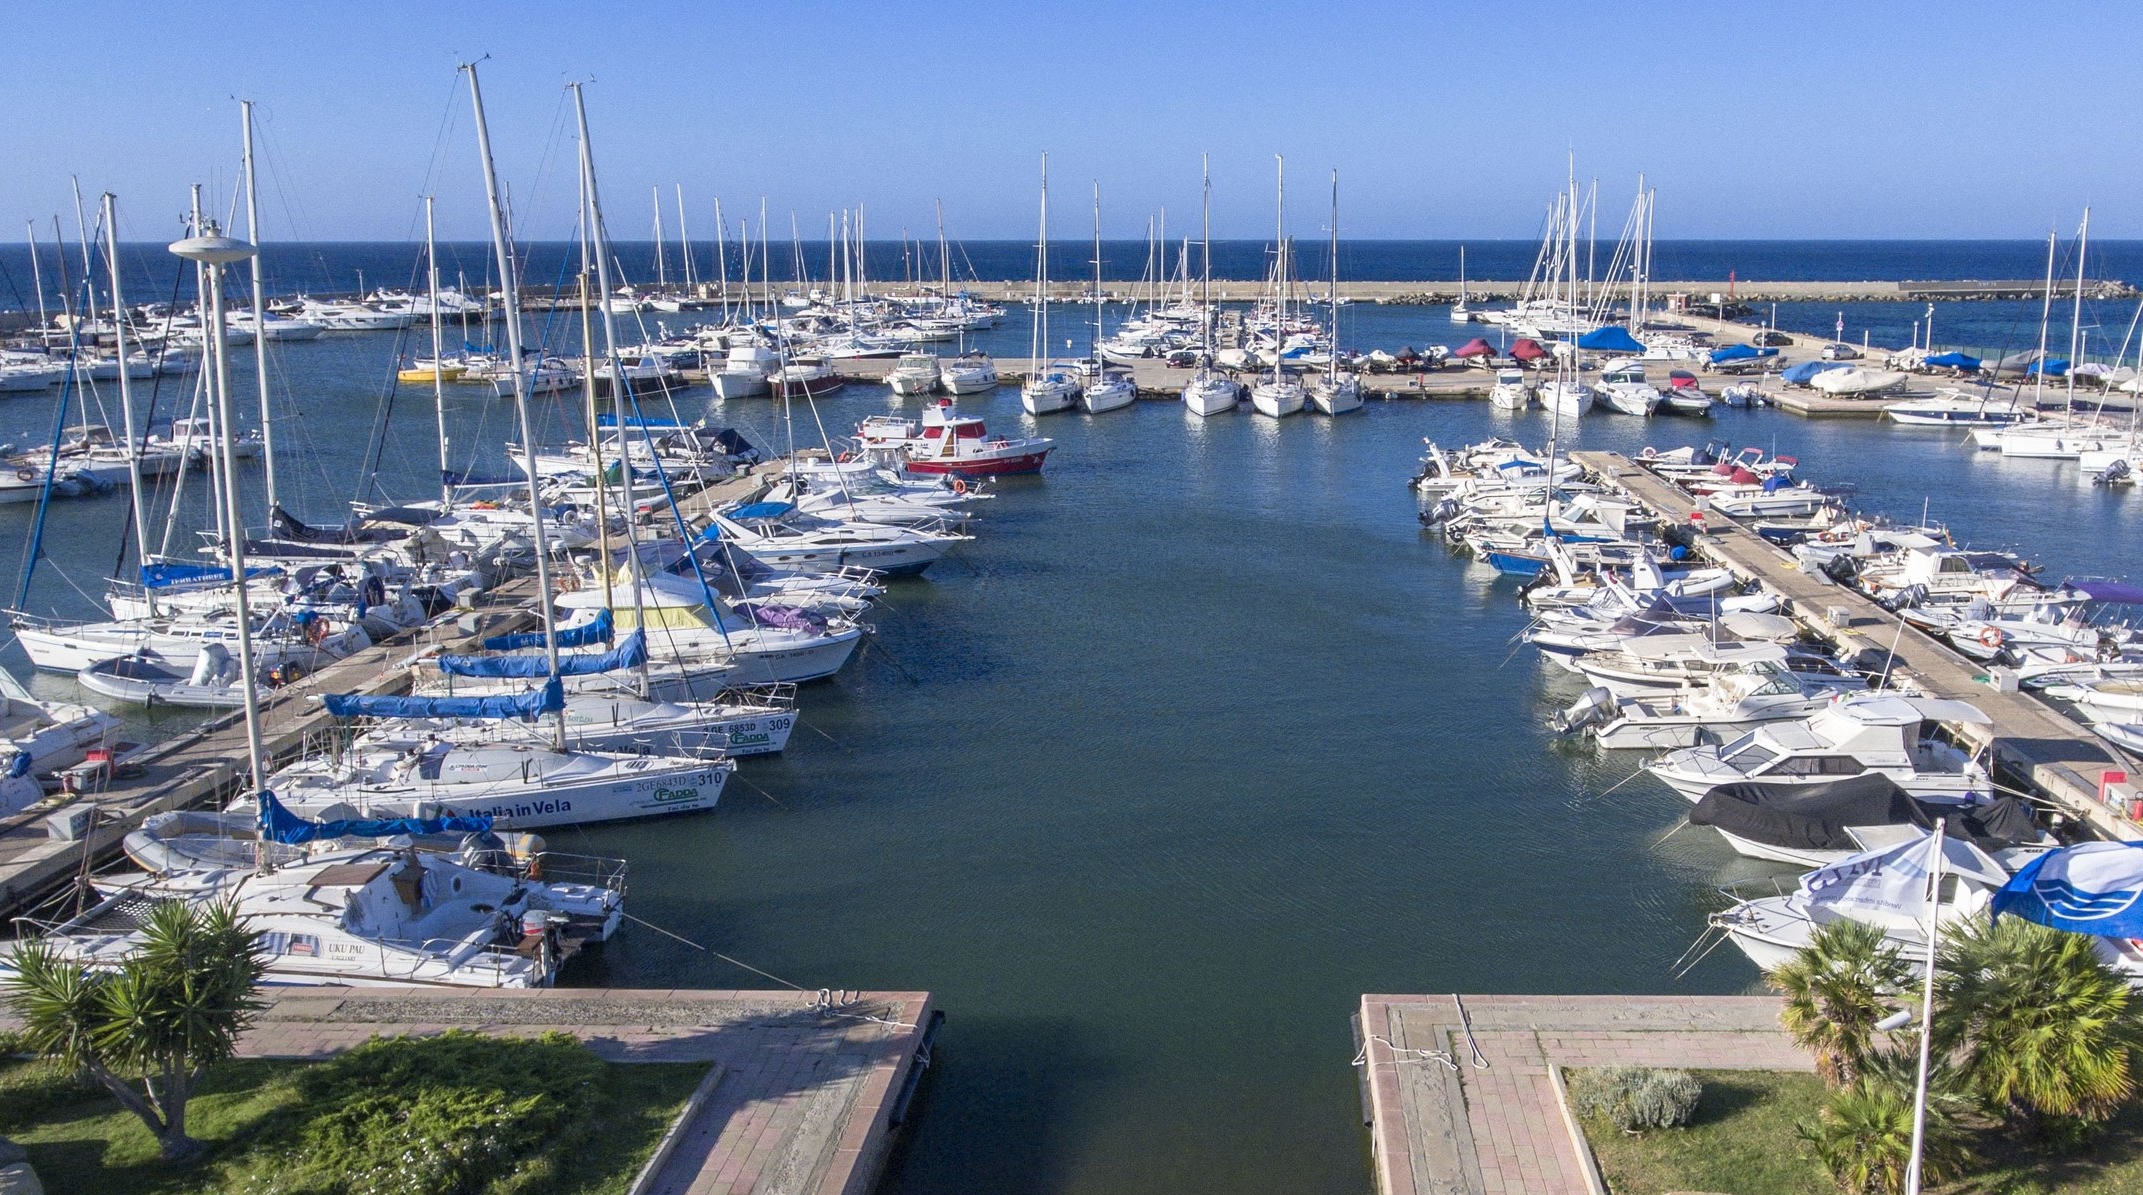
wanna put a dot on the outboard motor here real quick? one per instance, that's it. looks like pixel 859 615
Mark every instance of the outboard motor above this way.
pixel 2114 474
pixel 1593 709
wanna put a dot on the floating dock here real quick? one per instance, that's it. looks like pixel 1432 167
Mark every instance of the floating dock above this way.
pixel 2054 755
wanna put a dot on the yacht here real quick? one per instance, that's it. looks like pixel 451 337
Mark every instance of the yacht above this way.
pixel 915 374
pixel 972 372
pixel 1879 733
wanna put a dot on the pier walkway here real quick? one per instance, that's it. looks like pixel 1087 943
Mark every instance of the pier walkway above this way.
pixel 2055 755
pixel 1462 1094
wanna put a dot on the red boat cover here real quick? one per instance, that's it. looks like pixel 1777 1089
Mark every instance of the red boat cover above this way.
pixel 1528 349
pixel 1476 347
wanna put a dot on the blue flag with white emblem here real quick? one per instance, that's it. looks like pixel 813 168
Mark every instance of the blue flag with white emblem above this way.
pixel 2090 888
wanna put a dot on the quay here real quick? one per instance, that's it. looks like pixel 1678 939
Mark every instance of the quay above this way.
pixel 1463 1095
pixel 205 767
pixel 804 1094
pixel 2054 755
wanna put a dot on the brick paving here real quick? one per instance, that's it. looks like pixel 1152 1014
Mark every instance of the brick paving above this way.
pixel 1461 1102
pixel 799 1107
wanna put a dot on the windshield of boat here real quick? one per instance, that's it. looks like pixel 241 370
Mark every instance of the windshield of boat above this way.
pixel 1745 755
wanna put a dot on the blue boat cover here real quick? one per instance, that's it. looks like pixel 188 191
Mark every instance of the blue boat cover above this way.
pixel 165 575
pixel 629 653
pixel 762 510
pixel 2053 367
pixel 600 630
pixel 278 824
pixel 1614 338
pixel 1954 360
pixel 2089 888
pixel 1740 352
pixel 548 699
pixel 1798 375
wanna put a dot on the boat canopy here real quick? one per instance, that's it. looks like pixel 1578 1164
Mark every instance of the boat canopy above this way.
pixel 2089 888
pixel 763 510
pixel 278 824
pixel 1528 349
pixel 2111 591
pixel 1821 817
pixel 630 653
pixel 1477 347
pixel 600 629
pixel 1611 338
pixel 2052 367
pixel 548 699
pixel 1954 360
pixel 1799 375
pixel 1740 352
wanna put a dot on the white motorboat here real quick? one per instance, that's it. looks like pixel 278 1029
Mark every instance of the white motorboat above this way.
pixel 1880 733
pixel 1954 408
pixel 1726 707
pixel 915 374
pixel 745 371
pixel 1855 381
pixel 39 739
pixel 1512 392
pixel 971 372
pixel 144 678
pixel 779 535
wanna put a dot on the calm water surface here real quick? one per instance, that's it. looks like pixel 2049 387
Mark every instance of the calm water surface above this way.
pixel 1201 739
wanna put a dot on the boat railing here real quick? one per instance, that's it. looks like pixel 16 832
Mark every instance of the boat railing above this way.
pixel 565 867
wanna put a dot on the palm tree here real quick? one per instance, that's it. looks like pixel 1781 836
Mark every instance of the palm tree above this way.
pixel 1863 1134
pixel 1836 990
pixel 172 1009
pixel 2043 1027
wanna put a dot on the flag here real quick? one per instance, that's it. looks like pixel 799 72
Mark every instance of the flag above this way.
pixel 1891 881
pixel 2089 888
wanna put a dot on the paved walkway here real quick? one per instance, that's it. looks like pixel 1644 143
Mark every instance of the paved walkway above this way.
pixel 799 1104
pixel 1461 1102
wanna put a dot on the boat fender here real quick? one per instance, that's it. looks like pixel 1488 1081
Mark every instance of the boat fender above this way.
pixel 1992 637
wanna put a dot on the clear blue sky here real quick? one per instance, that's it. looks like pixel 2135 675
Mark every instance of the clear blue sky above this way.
pixel 1804 120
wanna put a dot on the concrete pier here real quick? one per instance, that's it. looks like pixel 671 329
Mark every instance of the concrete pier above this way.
pixel 2054 755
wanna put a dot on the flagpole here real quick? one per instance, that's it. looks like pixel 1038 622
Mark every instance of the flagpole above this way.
pixel 1927 1009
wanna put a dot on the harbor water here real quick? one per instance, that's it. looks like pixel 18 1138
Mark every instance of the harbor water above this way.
pixel 1200 739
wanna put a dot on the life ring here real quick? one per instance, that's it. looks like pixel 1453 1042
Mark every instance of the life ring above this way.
pixel 316 632
pixel 1992 637
pixel 568 582
pixel 25 474
pixel 846 457
pixel 959 486
pixel 1650 453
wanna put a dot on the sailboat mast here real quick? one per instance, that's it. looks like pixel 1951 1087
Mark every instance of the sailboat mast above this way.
pixel 1097 277
pixel 1332 366
pixel 37 283
pixel 1041 279
pixel 431 283
pixel 260 313
pixel 2046 313
pixel 81 229
pixel 1205 238
pixel 662 271
pixel 510 290
pixel 126 392
pixel 684 240
pixel 721 258
pixel 2083 241
pixel 1279 265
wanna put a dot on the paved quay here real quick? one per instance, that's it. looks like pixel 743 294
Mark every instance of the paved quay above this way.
pixel 2055 755
pixel 1461 1094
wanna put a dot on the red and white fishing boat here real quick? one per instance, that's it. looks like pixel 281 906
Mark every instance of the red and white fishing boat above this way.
pixel 946 442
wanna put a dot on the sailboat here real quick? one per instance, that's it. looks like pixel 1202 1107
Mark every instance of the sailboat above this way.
pixel 1280 395
pixel 1105 391
pixel 1461 312
pixel 1209 392
pixel 1338 391
pixel 1047 389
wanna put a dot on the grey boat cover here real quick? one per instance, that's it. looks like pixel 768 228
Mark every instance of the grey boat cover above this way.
pixel 1815 816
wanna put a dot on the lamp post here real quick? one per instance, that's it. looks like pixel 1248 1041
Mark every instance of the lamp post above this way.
pixel 215 251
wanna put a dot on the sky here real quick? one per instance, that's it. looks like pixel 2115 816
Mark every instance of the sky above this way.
pixel 1814 120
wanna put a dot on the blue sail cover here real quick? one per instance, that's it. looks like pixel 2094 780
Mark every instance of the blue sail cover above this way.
pixel 600 630
pixel 1614 338
pixel 629 653
pixel 278 824
pixel 2090 888
pixel 1798 375
pixel 548 699
pixel 1954 361
pixel 165 575
pixel 607 419
pixel 762 510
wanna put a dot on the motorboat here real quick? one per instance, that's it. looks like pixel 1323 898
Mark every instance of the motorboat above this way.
pixel 1816 825
pixel 1725 707
pixel 1622 388
pixel 746 370
pixel 40 739
pixel 144 678
pixel 1878 732
pixel 969 373
pixel 948 443
pixel 805 379
pixel 1854 381
pixel 1664 664
pixel 784 537
pixel 1684 396
pixel 915 374
pixel 1954 408
pixel 1512 392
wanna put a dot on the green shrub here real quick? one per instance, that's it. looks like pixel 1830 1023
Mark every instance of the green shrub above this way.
pixel 1635 1098
pixel 444 1115
pixel 1863 1137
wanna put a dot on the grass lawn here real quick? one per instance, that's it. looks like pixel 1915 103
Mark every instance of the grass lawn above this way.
pixel 262 1119
pixel 1742 1143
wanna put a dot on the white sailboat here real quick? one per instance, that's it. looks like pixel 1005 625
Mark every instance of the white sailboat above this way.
pixel 1280 395
pixel 1461 311
pixel 1209 392
pixel 1338 391
pixel 1105 391
pixel 1047 389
